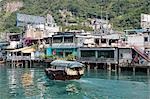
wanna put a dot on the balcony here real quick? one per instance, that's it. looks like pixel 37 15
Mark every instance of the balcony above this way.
pixel 17 58
pixel 97 60
pixel 64 45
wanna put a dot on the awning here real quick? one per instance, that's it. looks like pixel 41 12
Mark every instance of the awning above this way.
pixel 25 49
pixel 28 50
pixel 18 50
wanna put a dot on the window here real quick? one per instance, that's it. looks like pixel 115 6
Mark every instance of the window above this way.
pixel 68 39
pixel 89 53
pixel 97 41
pixel 106 54
pixel 103 40
pixel 145 39
pixel 57 40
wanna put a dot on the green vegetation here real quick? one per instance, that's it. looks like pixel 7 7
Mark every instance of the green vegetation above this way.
pixel 122 14
pixel 70 57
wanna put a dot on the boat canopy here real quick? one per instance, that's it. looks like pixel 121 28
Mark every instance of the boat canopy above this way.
pixel 69 64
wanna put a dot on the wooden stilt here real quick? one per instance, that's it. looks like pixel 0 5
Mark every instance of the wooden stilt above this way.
pixel 30 63
pixel 88 67
pixel 115 67
pixel 109 66
pixel 148 71
pixel 119 70
pixel 133 70
pixel 95 68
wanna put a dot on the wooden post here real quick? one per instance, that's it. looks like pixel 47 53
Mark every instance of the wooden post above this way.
pixel 26 63
pixel 115 70
pixel 148 71
pixel 109 70
pixel 17 62
pixel 95 68
pixel 22 60
pixel 12 64
pixel 115 67
pixel 109 66
pixel 109 74
pixel 33 62
pixel 30 61
pixel 88 67
pixel 119 70
pixel 133 70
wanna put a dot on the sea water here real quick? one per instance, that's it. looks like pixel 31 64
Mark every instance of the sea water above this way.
pixel 32 83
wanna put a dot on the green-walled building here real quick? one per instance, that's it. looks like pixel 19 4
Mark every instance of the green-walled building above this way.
pixel 63 44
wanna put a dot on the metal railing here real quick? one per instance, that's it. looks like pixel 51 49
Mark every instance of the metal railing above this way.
pixel 98 60
pixel 64 45
pixel 18 58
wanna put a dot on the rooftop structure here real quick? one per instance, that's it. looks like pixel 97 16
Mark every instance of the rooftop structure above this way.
pixel 24 19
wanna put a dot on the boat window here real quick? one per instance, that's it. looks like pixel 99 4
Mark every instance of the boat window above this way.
pixel 54 67
pixel 60 68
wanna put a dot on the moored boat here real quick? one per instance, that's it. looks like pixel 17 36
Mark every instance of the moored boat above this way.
pixel 65 70
pixel 1 62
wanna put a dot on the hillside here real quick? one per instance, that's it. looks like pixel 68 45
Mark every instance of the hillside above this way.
pixel 122 14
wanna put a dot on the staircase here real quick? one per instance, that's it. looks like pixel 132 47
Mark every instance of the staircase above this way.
pixel 140 53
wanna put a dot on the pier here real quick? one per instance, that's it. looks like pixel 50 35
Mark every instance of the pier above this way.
pixel 26 61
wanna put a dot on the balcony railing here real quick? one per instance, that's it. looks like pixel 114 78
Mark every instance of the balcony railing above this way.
pixel 64 45
pixel 98 60
pixel 18 58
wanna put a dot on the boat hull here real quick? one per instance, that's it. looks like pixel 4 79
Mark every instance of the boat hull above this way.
pixel 60 75
pixel 2 62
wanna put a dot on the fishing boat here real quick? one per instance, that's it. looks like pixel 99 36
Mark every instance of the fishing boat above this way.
pixel 1 61
pixel 65 70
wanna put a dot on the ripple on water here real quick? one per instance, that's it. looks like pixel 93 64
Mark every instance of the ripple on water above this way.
pixel 115 88
pixel 88 87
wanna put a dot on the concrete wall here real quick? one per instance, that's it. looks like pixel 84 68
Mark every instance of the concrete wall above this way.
pixel 125 55
pixel 136 40
pixel 95 58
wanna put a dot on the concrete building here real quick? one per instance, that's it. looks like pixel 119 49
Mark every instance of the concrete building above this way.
pixel 64 44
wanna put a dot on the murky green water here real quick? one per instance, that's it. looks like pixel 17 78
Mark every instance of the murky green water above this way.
pixel 33 84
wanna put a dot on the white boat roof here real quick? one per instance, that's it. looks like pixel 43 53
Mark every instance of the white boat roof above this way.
pixel 69 64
